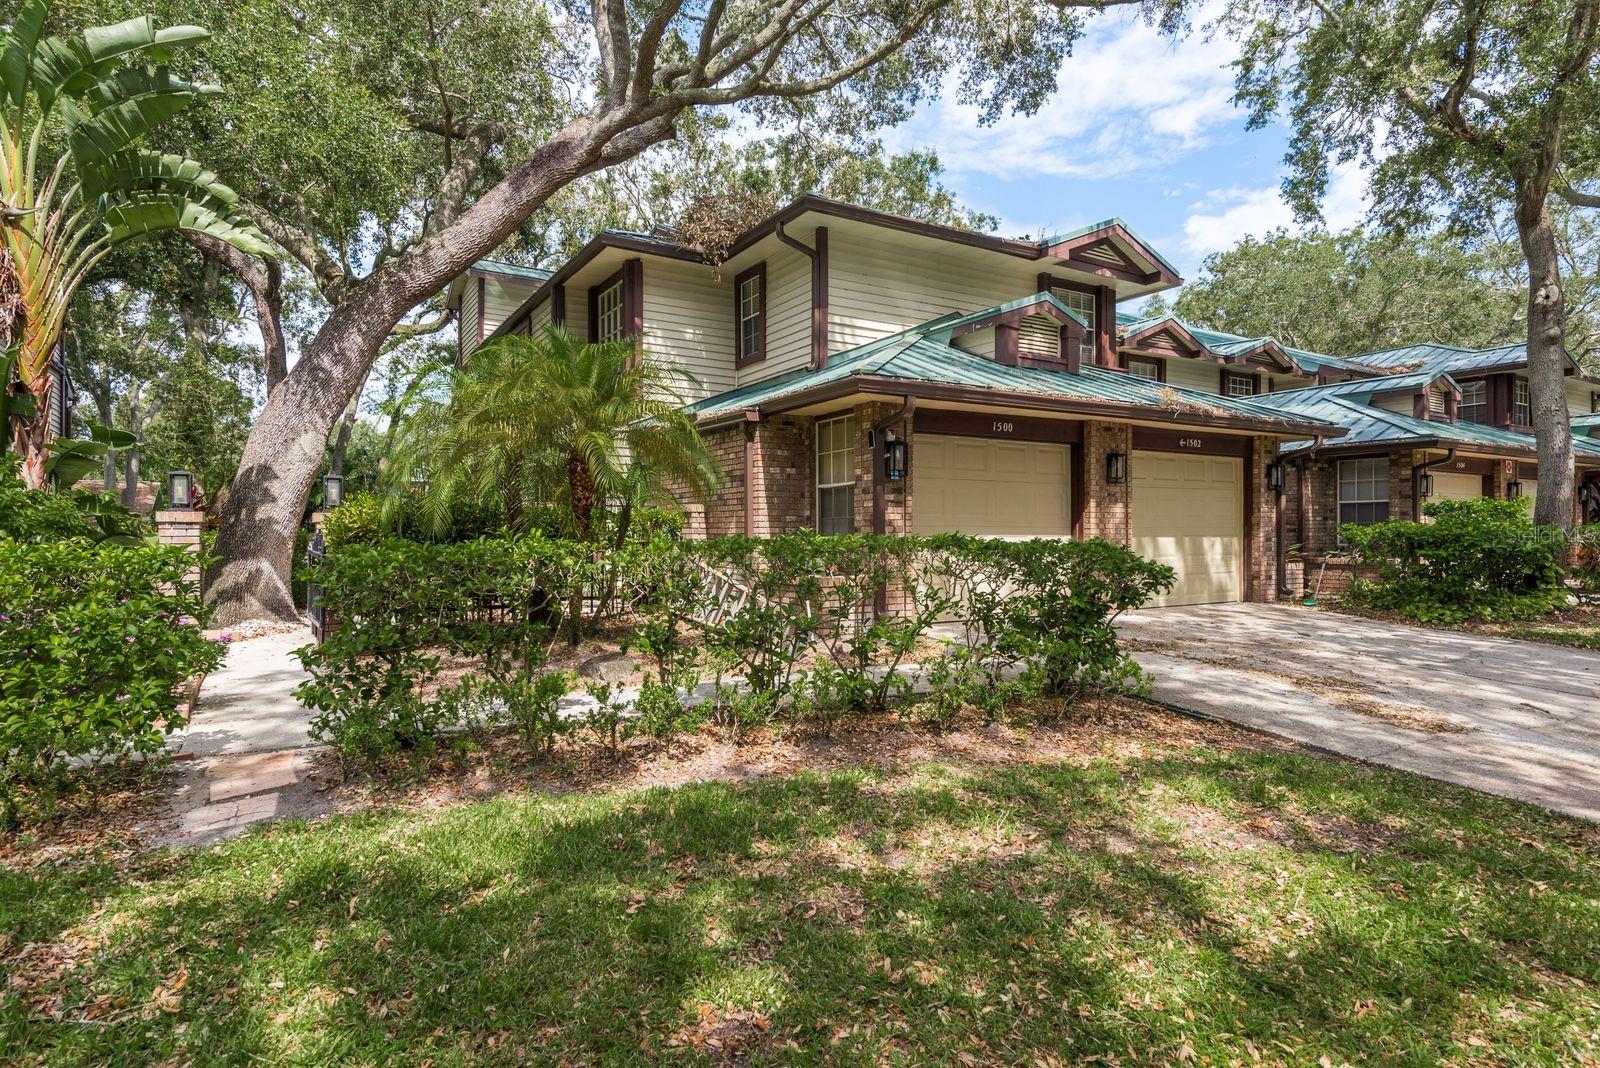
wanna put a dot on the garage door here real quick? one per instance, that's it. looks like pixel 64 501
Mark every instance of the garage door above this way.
pixel 1454 486
pixel 1001 489
pixel 1188 513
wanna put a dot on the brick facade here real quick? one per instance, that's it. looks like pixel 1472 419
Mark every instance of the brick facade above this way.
pixel 182 528
pixel 1107 509
pixel 1261 521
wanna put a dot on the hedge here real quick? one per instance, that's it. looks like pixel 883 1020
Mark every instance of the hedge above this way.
pixel 741 613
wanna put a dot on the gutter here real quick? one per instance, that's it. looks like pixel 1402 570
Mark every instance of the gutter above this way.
pixel 1416 481
pixel 818 255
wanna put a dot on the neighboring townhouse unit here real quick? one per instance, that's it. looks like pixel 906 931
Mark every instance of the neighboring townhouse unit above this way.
pixel 859 371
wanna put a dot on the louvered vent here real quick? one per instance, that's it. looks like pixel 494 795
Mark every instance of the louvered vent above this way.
pixel 1039 335
pixel 1105 253
pixel 1438 401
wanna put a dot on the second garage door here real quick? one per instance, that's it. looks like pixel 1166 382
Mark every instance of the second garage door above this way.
pixel 1188 513
pixel 1455 486
pixel 989 488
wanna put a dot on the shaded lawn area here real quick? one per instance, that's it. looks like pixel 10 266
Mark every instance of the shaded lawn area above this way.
pixel 1157 902
pixel 1577 626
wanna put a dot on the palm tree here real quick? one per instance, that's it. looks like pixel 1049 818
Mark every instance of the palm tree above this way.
pixel 100 92
pixel 547 424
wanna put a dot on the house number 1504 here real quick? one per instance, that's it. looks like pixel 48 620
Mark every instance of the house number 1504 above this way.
pixel 1004 428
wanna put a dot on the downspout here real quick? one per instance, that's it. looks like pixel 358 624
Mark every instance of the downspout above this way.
pixel 751 419
pixel 880 492
pixel 1416 482
pixel 819 290
pixel 1303 464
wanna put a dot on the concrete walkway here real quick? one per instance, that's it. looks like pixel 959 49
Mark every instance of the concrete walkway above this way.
pixel 1519 719
pixel 248 739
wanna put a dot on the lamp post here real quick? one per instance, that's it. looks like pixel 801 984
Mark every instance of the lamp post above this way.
pixel 180 490
pixel 332 491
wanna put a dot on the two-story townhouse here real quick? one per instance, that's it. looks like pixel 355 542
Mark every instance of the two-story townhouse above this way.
pixel 860 371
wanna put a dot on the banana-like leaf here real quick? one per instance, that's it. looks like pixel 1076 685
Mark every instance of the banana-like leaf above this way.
pixel 16 61
pixel 121 38
pixel 71 460
pixel 62 67
pixel 156 172
pixel 112 438
pixel 174 39
pixel 149 98
pixel 150 213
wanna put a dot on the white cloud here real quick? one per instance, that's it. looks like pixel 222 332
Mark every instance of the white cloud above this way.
pixel 1127 100
pixel 1220 218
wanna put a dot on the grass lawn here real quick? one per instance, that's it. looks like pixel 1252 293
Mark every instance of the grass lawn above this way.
pixel 1150 893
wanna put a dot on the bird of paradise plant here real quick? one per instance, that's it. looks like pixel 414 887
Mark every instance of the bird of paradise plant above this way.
pixel 76 180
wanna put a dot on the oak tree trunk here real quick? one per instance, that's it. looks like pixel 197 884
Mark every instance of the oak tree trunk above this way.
pixel 1547 384
pixel 284 454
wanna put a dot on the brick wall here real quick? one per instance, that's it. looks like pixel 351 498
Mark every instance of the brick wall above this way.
pixel 782 470
pixel 1261 520
pixel 1107 509
pixel 182 528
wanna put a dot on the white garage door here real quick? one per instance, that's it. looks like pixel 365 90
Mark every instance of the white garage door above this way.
pixel 997 489
pixel 1188 513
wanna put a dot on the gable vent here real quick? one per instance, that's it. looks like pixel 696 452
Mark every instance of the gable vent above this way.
pixel 1039 335
pixel 1438 401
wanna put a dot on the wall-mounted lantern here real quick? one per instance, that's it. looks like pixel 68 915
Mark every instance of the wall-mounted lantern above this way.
pixel 1116 468
pixel 332 491
pixel 180 490
pixel 1425 485
pixel 896 457
pixel 1514 489
pixel 1275 475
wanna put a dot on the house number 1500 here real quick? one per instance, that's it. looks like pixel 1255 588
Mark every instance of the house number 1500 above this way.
pixel 1004 428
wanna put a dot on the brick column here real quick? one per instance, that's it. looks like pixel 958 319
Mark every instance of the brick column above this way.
pixel 1498 480
pixel 182 528
pixel 1107 509
pixel 1261 520
pixel 1402 490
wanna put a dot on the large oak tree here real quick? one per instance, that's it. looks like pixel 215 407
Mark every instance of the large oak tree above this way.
pixel 455 121
pixel 1466 108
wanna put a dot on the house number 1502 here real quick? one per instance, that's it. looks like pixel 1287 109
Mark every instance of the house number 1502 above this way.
pixel 1004 428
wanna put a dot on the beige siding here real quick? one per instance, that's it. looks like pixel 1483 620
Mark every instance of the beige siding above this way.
pixel 1579 396
pixel 688 324
pixel 501 297
pixel 1202 375
pixel 1404 405
pixel 577 319
pixel 979 341
pixel 788 317
pixel 539 317
pixel 877 289
pixel 467 325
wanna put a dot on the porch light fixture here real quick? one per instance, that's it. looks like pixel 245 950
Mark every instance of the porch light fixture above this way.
pixel 332 491
pixel 1275 475
pixel 180 490
pixel 895 458
pixel 1425 485
pixel 1514 489
pixel 1116 468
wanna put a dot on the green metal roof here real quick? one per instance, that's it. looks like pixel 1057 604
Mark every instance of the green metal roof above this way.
pixel 1587 424
pixel 1362 388
pixel 512 270
pixel 946 325
pixel 1106 224
pixel 1446 357
pixel 1224 344
pixel 1365 424
pixel 924 354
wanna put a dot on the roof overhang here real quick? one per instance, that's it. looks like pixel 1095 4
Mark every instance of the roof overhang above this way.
pixel 1112 251
pixel 1169 337
pixel 587 255
pixel 881 385
pixel 1466 448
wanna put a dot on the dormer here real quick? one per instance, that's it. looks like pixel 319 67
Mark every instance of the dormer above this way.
pixel 1166 350
pixel 485 296
pixel 1036 331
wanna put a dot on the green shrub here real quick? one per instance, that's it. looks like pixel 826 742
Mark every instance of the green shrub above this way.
pixel 1478 559
pixel 1586 557
pixel 357 521
pixel 95 640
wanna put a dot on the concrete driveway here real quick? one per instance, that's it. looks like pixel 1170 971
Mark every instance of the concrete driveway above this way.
pixel 1514 718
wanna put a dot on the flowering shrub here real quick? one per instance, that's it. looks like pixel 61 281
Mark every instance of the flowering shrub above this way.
pixel 95 640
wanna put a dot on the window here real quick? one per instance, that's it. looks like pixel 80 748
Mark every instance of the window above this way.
pixel 1235 384
pixel 836 475
pixel 750 313
pixel 1364 491
pixel 608 313
pixel 1474 405
pixel 1594 403
pixel 1521 406
pixel 1147 367
pixel 1083 304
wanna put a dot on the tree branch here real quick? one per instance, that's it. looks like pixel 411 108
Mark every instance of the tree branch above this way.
pixel 329 276
pixel 264 280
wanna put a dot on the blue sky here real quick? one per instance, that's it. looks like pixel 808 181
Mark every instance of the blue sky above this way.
pixel 1140 127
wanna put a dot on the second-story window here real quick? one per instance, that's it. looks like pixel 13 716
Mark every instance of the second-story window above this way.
pixel 750 314
pixel 609 313
pixel 1235 384
pixel 1083 304
pixel 1474 404
pixel 1521 405
pixel 1146 367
